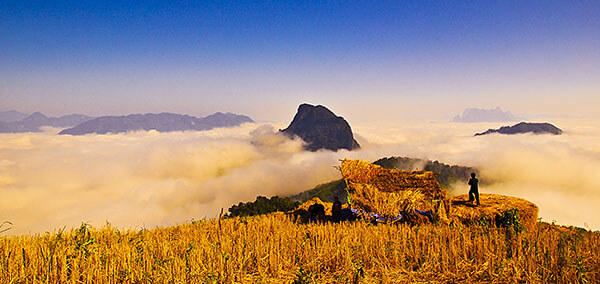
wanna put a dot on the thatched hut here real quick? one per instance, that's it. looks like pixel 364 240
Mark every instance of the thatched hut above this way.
pixel 391 193
pixel 491 209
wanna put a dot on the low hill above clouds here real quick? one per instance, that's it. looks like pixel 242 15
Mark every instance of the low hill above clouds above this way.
pixel 161 122
pixel 525 127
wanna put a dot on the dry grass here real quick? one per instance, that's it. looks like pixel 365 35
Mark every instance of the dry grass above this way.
pixel 491 206
pixel 388 204
pixel 275 249
pixel 392 180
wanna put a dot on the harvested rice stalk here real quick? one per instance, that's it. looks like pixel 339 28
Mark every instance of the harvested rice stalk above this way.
pixel 368 198
pixel 391 180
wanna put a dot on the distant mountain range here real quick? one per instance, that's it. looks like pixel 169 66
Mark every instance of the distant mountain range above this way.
pixel 33 122
pixel 485 115
pixel 11 115
pixel 161 122
pixel 320 128
pixel 525 127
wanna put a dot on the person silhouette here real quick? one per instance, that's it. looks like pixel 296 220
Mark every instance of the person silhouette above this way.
pixel 317 212
pixel 474 191
pixel 336 209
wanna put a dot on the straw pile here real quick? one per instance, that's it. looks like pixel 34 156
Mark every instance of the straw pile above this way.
pixel 492 206
pixel 392 180
pixel 390 192
pixel 387 204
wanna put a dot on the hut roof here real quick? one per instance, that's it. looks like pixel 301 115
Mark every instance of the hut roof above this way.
pixel 391 180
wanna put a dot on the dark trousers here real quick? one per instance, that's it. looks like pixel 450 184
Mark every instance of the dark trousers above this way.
pixel 474 195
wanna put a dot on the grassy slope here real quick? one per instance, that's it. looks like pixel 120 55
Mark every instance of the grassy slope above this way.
pixel 273 249
pixel 325 192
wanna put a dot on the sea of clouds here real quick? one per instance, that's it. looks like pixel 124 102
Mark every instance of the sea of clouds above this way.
pixel 147 179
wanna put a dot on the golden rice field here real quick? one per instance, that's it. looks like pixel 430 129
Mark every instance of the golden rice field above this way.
pixel 275 249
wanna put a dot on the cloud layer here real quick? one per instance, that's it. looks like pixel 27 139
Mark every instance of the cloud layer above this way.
pixel 152 179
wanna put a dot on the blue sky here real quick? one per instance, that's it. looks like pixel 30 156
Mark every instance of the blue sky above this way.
pixel 371 59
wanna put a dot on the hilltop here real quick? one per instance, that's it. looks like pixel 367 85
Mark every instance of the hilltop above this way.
pixel 393 195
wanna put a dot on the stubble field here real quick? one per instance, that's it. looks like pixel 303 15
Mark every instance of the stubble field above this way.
pixel 275 249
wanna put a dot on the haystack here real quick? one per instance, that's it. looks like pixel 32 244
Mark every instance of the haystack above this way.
pixel 491 208
pixel 391 193
pixel 392 180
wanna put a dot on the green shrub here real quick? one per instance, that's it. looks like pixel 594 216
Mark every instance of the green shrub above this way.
pixel 510 219
pixel 262 205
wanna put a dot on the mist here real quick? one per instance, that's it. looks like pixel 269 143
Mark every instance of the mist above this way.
pixel 148 179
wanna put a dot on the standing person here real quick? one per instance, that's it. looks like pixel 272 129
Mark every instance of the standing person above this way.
pixel 474 191
pixel 336 209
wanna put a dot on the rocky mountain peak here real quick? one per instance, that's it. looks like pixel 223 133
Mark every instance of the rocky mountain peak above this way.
pixel 320 128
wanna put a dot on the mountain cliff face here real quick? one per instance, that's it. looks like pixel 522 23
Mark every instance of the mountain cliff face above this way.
pixel 321 129
pixel 33 122
pixel 162 122
pixel 525 127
